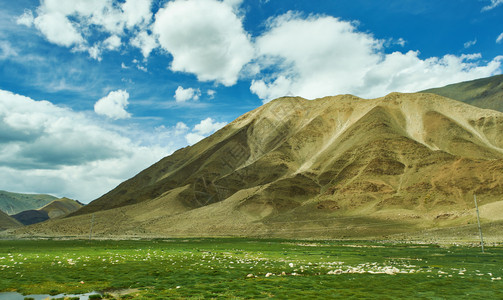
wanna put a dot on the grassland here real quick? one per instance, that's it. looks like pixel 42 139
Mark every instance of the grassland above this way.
pixel 250 268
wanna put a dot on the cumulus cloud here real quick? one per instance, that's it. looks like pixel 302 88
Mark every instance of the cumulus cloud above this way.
pixel 182 95
pixel 51 149
pixel 145 42
pixel 136 13
pixel 113 105
pixel 25 19
pixel 72 23
pixel 58 29
pixel 181 127
pixel 205 38
pixel 113 42
pixel 211 93
pixel 322 55
pixel 494 4
pixel 203 129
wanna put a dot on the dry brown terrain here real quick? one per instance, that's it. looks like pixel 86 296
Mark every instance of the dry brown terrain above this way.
pixel 7 222
pixel 336 167
pixel 56 209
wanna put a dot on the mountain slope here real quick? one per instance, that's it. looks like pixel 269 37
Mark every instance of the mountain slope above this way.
pixel 332 167
pixel 483 93
pixel 7 222
pixel 13 203
pixel 61 207
pixel 56 209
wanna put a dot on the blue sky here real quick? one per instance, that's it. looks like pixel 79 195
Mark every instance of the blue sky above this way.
pixel 94 91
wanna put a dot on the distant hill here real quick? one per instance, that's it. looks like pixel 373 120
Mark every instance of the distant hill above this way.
pixel 13 203
pixel 483 93
pixel 56 209
pixel 61 207
pixel 332 167
pixel 7 222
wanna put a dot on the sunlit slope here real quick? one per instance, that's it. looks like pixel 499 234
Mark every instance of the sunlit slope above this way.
pixel 61 207
pixel 484 92
pixel 7 222
pixel 332 167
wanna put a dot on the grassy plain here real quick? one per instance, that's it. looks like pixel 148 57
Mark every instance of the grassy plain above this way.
pixel 250 268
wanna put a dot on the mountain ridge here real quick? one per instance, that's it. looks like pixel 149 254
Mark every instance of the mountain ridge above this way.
pixel 13 203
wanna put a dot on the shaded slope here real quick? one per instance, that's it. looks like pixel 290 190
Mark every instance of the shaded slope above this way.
pixel 332 167
pixel 13 203
pixel 483 93
pixel 55 209
pixel 7 222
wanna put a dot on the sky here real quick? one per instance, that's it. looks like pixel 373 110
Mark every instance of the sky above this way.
pixel 94 91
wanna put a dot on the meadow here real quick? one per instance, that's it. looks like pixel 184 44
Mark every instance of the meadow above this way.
pixel 249 268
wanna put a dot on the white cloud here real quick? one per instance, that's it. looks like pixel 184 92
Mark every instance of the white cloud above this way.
pixel 113 42
pixel 321 55
pixel 181 128
pixel 58 29
pixel 470 43
pixel 499 38
pixel 203 129
pixel 113 105
pixel 193 138
pixel 94 51
pixel 233 3
pixel 211 93
pixel 137 13
pixel 494 3
pixel 408 73
pixel 49 149
pixel 182 95
pixel 71 23
pixel 145 42
pixel 6 50
pixel 205 38
pixel 208 126
pixel 401 42
pixel 25 19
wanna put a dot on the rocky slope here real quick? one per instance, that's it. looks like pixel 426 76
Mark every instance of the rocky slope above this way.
pixel 332 167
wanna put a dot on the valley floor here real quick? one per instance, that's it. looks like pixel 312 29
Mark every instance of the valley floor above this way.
pixel 249 268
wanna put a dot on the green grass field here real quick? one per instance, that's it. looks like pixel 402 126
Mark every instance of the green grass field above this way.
pixel 250 268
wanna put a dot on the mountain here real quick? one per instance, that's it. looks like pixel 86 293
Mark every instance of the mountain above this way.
pixel 7 222
pixel 13 203
pixel 332 167
pixel 483 93
pixel 56 209
pixel 61 207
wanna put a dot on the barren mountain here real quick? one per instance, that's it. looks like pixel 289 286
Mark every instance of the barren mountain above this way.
pixel 332 167
pixel 7 222
pixel 56 209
